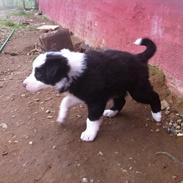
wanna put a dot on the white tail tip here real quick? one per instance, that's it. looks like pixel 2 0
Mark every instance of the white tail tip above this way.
pixel 138 41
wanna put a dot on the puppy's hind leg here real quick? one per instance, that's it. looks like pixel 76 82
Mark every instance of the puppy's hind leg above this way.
pixel 148 96
pixel 67 102
pixel 118 103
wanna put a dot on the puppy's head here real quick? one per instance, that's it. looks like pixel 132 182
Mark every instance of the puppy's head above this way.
pixel 49 69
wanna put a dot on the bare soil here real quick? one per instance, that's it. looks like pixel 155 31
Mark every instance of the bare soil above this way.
pixel 130 148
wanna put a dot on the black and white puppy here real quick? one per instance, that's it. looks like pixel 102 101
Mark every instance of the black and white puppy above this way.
pixel 94 78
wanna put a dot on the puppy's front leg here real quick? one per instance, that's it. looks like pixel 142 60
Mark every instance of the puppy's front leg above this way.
pixel 67 102
pixel 93 122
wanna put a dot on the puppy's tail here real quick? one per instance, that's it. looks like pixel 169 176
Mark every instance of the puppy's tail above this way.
pixel 150 48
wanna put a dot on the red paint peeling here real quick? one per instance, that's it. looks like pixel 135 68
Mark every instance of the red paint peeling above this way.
pixel 117 23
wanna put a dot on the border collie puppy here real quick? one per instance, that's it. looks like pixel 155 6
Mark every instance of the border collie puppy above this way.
pixel 94 78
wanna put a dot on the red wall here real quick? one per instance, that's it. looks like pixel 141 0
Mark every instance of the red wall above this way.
pixel 117 24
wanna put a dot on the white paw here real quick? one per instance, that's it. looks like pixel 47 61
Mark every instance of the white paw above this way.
pixel 92 128
pixel 156 116
pixel 88 136
pixel 110 113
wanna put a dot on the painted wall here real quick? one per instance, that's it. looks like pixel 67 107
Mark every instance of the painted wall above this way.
pixel 117 24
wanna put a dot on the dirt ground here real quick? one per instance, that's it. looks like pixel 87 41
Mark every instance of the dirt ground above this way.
pixel 130 148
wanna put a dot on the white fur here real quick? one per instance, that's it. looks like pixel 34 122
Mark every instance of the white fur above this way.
pixel 64 83
pixel 67 102
pixel 138 41
pixel 110 113
pixel 31 83
pixel 92 128
pixel 156 116
pixel 76 62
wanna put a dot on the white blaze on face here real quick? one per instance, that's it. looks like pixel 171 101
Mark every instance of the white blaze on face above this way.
pixel 31 83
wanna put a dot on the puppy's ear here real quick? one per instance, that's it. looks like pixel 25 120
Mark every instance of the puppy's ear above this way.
pixel 56 69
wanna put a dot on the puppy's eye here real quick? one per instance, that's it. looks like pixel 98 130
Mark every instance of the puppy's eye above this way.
pixel 38 74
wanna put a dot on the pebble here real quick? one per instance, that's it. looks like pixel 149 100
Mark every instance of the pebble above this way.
pixel 23 95
pixel 84 180
pixel 49 117
pixel 157 130
pixel 47 111
pixel 180 135
pixel 167 112
pixel 4 153
pixel 37 99
pixel 78 116
pixel 174 177
pixel 100 153
pixel 47 99
pixel 170 123
pixel 124 170
pixel 4 125
pixel 179 120
pixel 164 105
pixel 178 127
pixel 30 142
pixel 54 147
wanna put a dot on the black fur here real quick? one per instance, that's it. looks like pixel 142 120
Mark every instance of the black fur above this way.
pixel 53 70
pixel 109 74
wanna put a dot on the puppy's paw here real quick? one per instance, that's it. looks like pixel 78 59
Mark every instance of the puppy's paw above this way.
pixel 156 116
pixel 88 136
pixel 110 113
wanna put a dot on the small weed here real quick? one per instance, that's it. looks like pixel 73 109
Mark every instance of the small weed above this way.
pixel 20 13
pixel 10 24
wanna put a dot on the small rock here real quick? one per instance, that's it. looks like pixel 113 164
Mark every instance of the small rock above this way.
pixel 37 99
pixel 47 99
pixel 179 120
pixel 167 112
pixel 124 170
pixel 23 95
pixel 4 153
pixel 78 116
pixel 4 125
pixel 178 127
pixel 30 142
pixel 100 153
pixel 180 135
pixel 49 117
pixel 47 111
pixel 54 147
pixel 164 105
pixel 157 130
pixel 174 177
pixel 170 123
pixel 84 180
